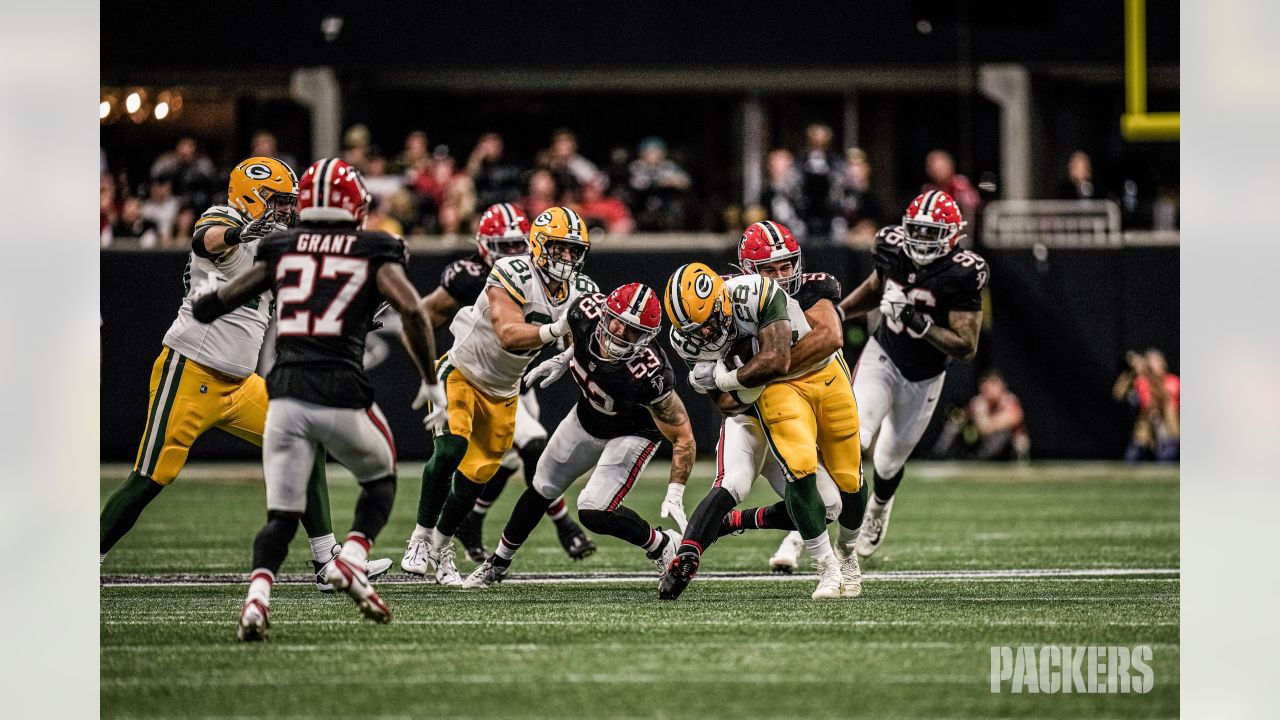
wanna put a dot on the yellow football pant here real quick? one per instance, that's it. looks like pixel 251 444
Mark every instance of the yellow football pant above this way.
pixel 813 415
pixel 487 423
pixel 186 400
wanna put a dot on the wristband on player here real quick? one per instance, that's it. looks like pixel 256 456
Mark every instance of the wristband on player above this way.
pixel 232 236
pixel 545 334
pixel 728 381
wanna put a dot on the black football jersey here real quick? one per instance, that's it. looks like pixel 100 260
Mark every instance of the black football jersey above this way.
pixel 952 282
pixel 464 279
pixel 324 277
pixel 615 395
pixel 817 286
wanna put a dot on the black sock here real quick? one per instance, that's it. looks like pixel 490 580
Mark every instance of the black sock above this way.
pixel 524 518
pixel 704 524
pixel 373 507
pixel 529 456
pixel 853 506
pixel 272 542
pixel 622 523
pixel 887 486
pixel 445 459
pixel 123 508
pixel 462 497
pixel 772 517
pixel 495 486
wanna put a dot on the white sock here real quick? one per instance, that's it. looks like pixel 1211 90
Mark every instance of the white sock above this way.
pixel 818 547
pixel 260 585
pixel 420 534
pixel 356 549
pixel 322 547
pixel 481 507
pixel 848 538
pixel 655 540
pixel 506 549
pixel 439 540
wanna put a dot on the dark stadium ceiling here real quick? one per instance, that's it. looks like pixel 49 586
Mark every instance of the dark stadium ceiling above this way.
pixel 150 42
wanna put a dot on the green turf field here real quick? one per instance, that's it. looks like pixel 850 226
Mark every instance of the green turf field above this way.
pixel 916 644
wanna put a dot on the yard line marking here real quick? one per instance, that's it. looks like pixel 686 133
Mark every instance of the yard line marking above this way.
pixel 555 578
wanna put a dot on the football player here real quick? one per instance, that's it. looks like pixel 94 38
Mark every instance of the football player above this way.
pixel 804 410
pixel 929 293
pixel 523 309
pixel 503 232
pixel 329 276
pixel 769 249
pixel 628 404
pixel 204 377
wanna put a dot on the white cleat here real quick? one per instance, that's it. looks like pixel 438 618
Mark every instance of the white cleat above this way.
pixel 668 554
pixel 485 576
pixel 828 577
pixel 255 625
pixel 446 569
pixel 417 558
pixel 374 569
pixel 850 575
pixel 787 557
pixel 352 579
pixel 875 525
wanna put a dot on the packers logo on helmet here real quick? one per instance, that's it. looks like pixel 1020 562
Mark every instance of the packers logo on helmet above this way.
pixel 699 308
pixel 558 243
pixel 260 184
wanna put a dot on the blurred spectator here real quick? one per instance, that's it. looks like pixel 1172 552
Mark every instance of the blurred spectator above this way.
pixel 1078 184
pixel 355 147
pixel 543 193
pixel 403 208
pixel 601 210
pixel 658 187
pixel 415 158
pixel 495 181
pixel 783 197
pixel 184 225
pixel 192 173
pixel 264 144
pixel 161 208
pixel 379 183
pixel 940 167
pixel 107 210
pixel 820 171
pixel 1147 384
pixel 860 212
pixel 131 225
pixel 379 219
pixel 619 173
pixel 458 204
pixel 571 169
pixel 990 427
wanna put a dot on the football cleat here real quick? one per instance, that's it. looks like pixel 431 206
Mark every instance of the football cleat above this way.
pixel 875 525
pixel 417 558
pixel 574 539
pixel 470 534
pixel 784 561
pixel 446 568
pixel 374 569
pixel 485 576
pixel 850 575
pixel 351 578
pixel 668 554
pixel 828 577
pixel 678 575
pixel 255 623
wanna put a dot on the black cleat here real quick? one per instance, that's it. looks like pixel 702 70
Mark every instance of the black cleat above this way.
pixel 574 541
pixel 678 576
pixel 471 535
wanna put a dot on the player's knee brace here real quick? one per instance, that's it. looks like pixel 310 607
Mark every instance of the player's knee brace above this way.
pixel 373 507
pixel 529 456
pixel 272 542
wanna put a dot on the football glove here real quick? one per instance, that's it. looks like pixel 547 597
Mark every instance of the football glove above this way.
pixel 550 370
pixel 726 379
pixel 438 418
pixel 263 226
pixel 916 322
pixel 892 301
pixel 673 505
pixel 703 376
pixel 557 329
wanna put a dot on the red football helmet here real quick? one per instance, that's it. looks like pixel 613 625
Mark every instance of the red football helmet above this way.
pixel 332 191
pixel 931 227
pixel 768 242
pixel 503 231
pixel 636 307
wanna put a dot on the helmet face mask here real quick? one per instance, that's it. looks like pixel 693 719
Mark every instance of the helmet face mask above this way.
pixel 931 227
pixel 631 319
pixel 562 258
pixel 765 246
pixel 283 207
pixel 558 243
pixel 775 269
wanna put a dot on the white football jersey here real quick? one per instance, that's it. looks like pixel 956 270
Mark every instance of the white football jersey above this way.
pixel 476 350
pixel 231 343
pixel 756 301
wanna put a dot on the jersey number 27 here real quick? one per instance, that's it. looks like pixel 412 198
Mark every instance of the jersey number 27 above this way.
pixel 300 291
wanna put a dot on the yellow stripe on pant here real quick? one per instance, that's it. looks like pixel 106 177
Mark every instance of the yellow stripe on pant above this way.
pixel 186 400
pixel 810 416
